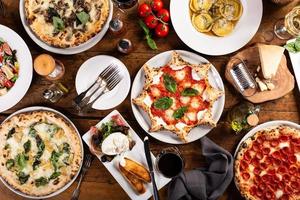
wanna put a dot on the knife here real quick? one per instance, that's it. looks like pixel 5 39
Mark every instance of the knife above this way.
pixel 149 161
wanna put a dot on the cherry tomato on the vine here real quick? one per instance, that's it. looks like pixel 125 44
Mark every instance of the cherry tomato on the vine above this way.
pixel 144 10
pixel 164 15
pixel 156 5
pixel 162 30
pixel 151 21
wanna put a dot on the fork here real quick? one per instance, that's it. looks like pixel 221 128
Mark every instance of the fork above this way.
pixel 2 8
pixel 95 85
pixel 86 165
pixel 109 84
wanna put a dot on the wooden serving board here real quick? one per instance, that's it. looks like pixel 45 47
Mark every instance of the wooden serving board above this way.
pixel 284 81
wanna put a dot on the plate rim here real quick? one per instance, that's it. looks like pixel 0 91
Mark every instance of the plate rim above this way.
pixel 221 51
pixel 134 108
pixel 30 70
pixel 66 51
pixel 64 188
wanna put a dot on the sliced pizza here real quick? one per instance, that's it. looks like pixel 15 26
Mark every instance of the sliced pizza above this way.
pixel 178 96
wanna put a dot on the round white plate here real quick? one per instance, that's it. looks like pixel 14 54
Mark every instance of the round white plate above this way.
pixel 264 126
pixel 35 108
pixel 88 74
pixel 66 51
pixel 143 118
pixel 243 32
pixel 17 92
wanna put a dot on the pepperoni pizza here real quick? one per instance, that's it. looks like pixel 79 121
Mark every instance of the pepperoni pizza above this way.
pixel 178 96
pixel 267 165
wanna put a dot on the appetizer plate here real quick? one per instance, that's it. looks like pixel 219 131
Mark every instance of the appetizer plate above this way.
pixel 67 51
pixel 88 74
pixel 295 60
pixel 143 118
pixel 39 108
pixel 17 92
pixel 264 126
pixel 137 154
pixel 243 32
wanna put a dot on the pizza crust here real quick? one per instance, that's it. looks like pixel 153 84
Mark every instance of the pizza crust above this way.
pixel 70 37
pixel 210 94
pixel 25 120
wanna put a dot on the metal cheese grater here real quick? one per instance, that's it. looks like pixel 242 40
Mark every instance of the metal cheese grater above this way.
pixel 243 79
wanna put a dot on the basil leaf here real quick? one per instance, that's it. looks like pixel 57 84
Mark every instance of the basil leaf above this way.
pixel 151 43
pixel 54 175
pixel 14 79
pixel 21 160
pixel 41 181
pixel 290 47
pixel 58 24
pixel 23 177
pixel 27 146
pixel 36 163
pixel 179 112
pixel 170 83
pixel 144 27
pixel 10 163
pixel 163 103
pixel 54 159
pixel 187 92
pixel 10 133
pixel 83 17
pixel 32 132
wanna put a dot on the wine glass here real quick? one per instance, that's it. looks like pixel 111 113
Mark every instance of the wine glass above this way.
pixel 289 26
pixel 125 4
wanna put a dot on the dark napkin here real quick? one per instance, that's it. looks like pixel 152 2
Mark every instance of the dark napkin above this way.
pixel 204 183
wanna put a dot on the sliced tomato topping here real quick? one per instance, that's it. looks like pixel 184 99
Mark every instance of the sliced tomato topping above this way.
pixel 246 176
pixel 266 150
pixel 274 143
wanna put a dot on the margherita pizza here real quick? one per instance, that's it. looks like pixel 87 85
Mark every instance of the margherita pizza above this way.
pixel 178 96
pixel 66 23
pixel 40 152
pixel 267 165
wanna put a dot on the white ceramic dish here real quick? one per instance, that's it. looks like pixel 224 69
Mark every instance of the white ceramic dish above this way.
pixel 211 45
pixel 66 51
pixel 17 92
pixel 88 73
pixel 295 60
pixel 142 117
pixel 264 126
pixel 137 154
pixel 38 108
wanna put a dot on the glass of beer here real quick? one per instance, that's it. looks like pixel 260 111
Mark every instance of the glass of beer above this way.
pixel 288 27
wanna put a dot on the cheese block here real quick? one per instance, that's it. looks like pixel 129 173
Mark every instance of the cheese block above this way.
pixel 270 57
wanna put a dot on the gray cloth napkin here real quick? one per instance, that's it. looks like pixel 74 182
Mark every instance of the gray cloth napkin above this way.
pixel 204 183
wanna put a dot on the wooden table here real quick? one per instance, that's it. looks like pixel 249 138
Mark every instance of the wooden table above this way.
pixel 98 183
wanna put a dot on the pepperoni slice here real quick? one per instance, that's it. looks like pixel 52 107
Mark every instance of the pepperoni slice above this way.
pixel 266 178
pixel 286 150
pixel 255 162
pixel 256 146
pixel 274 143
pixel 259 193
pixel 276 154
pixel 243 165
pixel 283 138
pixel 253 190
pixel 284 197
pixel 246 176
pixel 286 177
pixel 288 189
pixel 269 195
pixel 282 170
pixel 269 160
pixel 259 155
pixel 266 150
pixel 262 186
pixel 292 159
pixel 263 165
pixel 280 185
pixel 277 162
pixel 295 185
pixel 261 139
pixel 293 170
pixel 271 171
pixel 257 170
pixel 247 156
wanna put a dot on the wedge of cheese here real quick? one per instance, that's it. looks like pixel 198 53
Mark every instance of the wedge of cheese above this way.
pixel 270 57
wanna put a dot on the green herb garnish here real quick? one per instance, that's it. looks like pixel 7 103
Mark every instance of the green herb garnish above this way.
pixel 10 163
pixel 23 177
pixel 54 175
pixel 27 146
pixel 21 160
pixel 54 159
pixel 151 43
pixel 58 24
pixel 170 83
pixel 10 133
pixel 41 181
pixel 83 17
pixel 293 47
pixel 187 92
pixel 163 103
pixel 14 79
pixel 179 112
pixel 32 132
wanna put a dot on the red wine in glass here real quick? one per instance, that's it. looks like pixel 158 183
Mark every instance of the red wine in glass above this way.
pixel 125 4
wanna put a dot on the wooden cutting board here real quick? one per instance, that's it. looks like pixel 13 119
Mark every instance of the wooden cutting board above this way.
pixel 284 81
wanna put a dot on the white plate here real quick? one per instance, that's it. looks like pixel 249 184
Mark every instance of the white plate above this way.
pixel 295 60
pixel 243 32
pixel 17 92
pixel 264 126
pixel 136 154
pixel 38 108
pixel 143 118
pixel 88 74
pixel 66 51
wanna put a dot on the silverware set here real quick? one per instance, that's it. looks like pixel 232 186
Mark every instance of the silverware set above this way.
pixel 2 8
pixel 86 165
pixel 108 79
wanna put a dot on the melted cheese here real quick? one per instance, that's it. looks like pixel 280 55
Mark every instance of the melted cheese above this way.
pixel 192 116
pixel 180 75
pixel 195 103
pixel 278 193
pixel 200 114
pixel 180 125
pixel 283 144
pixel 185 100
pixel 147 100
pixel 156 78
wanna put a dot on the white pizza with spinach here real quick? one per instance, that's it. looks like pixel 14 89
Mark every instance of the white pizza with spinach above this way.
pixel 40 152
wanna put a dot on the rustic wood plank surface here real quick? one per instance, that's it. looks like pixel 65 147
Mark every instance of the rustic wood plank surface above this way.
pixel 98 183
